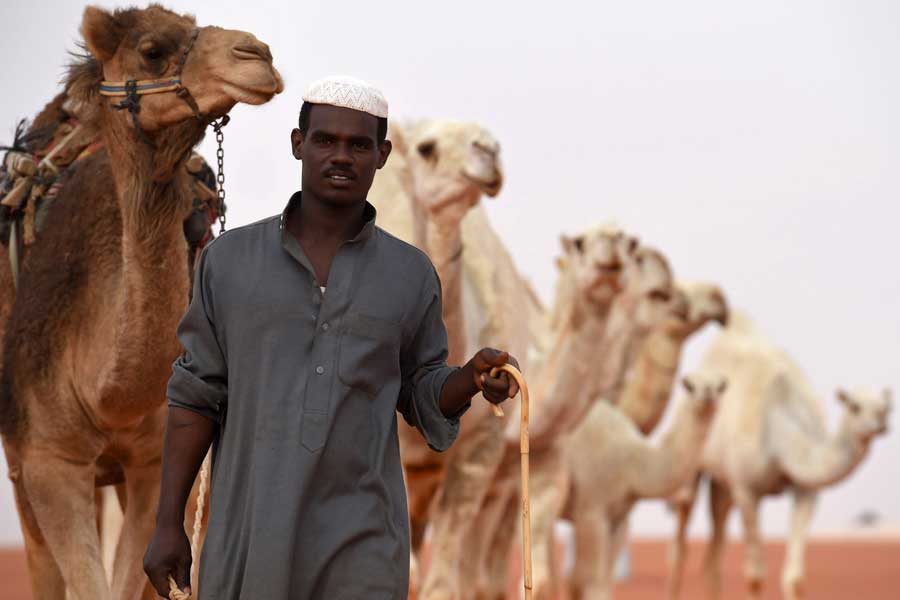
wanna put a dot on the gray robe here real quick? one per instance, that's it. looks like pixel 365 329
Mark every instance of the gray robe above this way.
pixel 308 501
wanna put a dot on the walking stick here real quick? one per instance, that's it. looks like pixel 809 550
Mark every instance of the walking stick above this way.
pixel 523 451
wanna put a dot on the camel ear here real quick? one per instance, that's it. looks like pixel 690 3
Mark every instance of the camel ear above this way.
pixel 630 245
pixel 570 244
pixel 102 33
pixel 843 397
pixel 688 384
pixel 398 138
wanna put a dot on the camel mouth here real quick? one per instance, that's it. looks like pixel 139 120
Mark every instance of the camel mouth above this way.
pixel 682 313
pixel 490 186
pixel 253 94
pixel 607 270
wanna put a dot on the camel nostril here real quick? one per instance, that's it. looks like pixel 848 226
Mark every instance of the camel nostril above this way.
pixel 490 148
pixel 252 52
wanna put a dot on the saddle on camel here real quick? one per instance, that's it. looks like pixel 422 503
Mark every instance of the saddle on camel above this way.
pixel 35 167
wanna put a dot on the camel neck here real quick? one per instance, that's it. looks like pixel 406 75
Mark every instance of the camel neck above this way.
pixel 443 244
pixel 667 466
pixel 152 189
pixel 844 452
pixel 813 461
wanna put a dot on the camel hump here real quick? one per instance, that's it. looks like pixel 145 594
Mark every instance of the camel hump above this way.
pixel 785 401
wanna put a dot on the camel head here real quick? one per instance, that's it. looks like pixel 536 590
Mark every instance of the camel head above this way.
pixel 593 263
pixel 451 163
pixel 704 393
pixel 867 412
pixel 222 67
pixel 694 305
pixel 649 288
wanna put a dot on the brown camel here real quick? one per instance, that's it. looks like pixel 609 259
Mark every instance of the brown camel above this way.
pixel 90 336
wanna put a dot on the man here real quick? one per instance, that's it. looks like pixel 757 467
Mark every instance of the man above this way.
pixel 306 333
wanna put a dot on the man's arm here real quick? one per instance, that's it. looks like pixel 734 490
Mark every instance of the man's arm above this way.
pixel 197 393
pixel 433 395
pixel 188 437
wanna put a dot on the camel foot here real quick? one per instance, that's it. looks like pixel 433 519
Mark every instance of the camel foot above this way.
pixel 756 587
pixel 793 590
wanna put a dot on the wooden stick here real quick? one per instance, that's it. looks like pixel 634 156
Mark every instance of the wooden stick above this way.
pixel 523 451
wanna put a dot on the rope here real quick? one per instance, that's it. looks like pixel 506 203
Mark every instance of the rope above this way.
pixel 177 594
pixel 174 592
pixel 523 452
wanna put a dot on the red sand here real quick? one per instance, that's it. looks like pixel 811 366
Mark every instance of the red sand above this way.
pixel 836 570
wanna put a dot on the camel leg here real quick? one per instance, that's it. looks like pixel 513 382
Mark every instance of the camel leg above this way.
pixel 62 496
pixel 142 491
pixel 478 562
pixel 592 575
pixel 678 550
pixel 720 502
pixel 754 562
pixel 504 535
pixel 792 577
pixel 422 485
pixel 469 474
pixel 619 542
pixel 46 580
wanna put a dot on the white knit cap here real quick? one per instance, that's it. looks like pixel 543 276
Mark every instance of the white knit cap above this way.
pixel 347 92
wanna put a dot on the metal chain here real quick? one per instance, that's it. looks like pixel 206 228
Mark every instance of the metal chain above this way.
pixel 220 176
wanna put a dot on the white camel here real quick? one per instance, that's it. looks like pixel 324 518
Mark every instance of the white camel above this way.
pixel 650 380
pixel 429 194
pixel 586 362
pixel 613 465
pixel 768 437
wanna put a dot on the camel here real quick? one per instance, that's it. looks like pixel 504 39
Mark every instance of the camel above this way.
pixel 650 379
pixel 428 194
pixel 768 437
pixel 90 337
pixel 613 465
pixel 649 382
pixel 569 382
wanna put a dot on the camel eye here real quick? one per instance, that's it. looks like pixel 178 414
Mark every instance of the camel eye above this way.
pixel 579 243
pixel 427 150
pixel 855 408
pixel 152 53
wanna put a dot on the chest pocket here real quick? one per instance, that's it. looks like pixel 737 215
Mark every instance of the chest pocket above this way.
pixel 369 352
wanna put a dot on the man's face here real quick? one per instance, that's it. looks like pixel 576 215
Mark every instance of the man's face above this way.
pixel 340 154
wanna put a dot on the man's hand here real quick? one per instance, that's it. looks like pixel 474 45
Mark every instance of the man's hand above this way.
pixel 474 377
pixel 169 554
pixel 495 389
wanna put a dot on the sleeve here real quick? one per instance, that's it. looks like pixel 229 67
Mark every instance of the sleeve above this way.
pixel 423 366
pixel 199 380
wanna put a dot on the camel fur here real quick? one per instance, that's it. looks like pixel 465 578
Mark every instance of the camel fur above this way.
pixel 613 465
pixel 89 337
pixel 769 437
pixel 598 319
pixel 429 194
pixel 650 380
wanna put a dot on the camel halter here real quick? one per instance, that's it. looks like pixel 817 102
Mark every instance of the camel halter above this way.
pixel 176 594
pixel 133 89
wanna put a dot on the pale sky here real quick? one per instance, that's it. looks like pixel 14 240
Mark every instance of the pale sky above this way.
pixel 756 144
